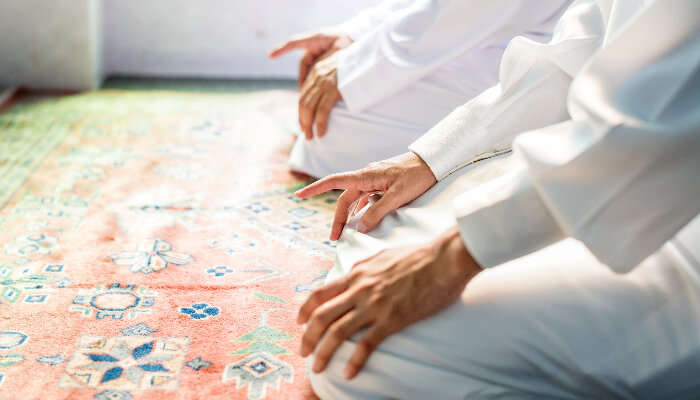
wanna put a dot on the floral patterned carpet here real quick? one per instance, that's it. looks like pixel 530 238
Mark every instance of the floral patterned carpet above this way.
pixel 152 247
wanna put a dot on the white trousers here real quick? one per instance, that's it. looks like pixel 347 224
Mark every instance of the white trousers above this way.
pixel 386 129
pixel 554 324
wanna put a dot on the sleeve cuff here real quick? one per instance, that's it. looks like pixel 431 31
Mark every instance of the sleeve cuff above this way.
pixel 505 219
pixel 359 74
pixel 446 147
pixel 443 152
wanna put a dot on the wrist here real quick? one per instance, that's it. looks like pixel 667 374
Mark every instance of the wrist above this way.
pixel 422 167
pixel 458 256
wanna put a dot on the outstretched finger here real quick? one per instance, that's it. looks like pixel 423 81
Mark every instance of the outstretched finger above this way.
pixel 346 204
pixel 364 348
pixel 289 46
pixel 345 180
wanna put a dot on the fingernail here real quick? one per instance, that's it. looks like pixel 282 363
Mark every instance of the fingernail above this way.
pixel 349 372
pixel 316 368
pixel 362 228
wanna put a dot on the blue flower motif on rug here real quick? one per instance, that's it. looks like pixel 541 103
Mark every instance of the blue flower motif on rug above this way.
pixel 126 363
pixel 197 363
pixel 152 255
pixel 295 226
pixel 234 243
pixel 219 270
pixel 131 363
pixel 257 207
pixel 200 311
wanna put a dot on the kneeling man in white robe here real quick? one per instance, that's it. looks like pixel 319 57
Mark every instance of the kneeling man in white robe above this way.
pixel 572 269
pixel 374 84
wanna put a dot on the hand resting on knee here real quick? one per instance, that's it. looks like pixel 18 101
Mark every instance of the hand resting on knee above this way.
pixel 318 77
pixel 385 293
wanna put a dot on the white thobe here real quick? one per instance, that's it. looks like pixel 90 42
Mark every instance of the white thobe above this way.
pixel 412 63
pixel 618 182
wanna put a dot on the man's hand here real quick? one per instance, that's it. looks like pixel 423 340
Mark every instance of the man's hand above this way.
pixel 399 179
pixel 315 45
pixel 318 96
pixel 318 77
pixel 384 293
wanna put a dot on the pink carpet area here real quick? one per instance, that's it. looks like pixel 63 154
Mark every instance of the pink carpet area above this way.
pixel 152 247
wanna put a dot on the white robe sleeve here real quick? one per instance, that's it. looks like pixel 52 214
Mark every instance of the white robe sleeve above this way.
pixel 623 175
pixel 534 82
pixel 418 38
pixel 369 19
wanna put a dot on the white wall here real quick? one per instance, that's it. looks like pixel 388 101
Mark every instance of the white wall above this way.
pixel 73 44
pixel 210 38
pixel 50 44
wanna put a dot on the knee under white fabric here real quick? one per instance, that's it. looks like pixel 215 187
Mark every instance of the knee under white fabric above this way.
pixel 554 324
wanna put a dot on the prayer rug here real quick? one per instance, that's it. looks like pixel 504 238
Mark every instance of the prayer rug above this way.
pixel 152 247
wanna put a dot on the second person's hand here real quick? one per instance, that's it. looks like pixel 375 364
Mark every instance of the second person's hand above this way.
pixel 315 46
pixel 319 93
pixel 318 77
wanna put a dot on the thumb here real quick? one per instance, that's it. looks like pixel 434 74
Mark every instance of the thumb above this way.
pixel 307 61
pixel 376 212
